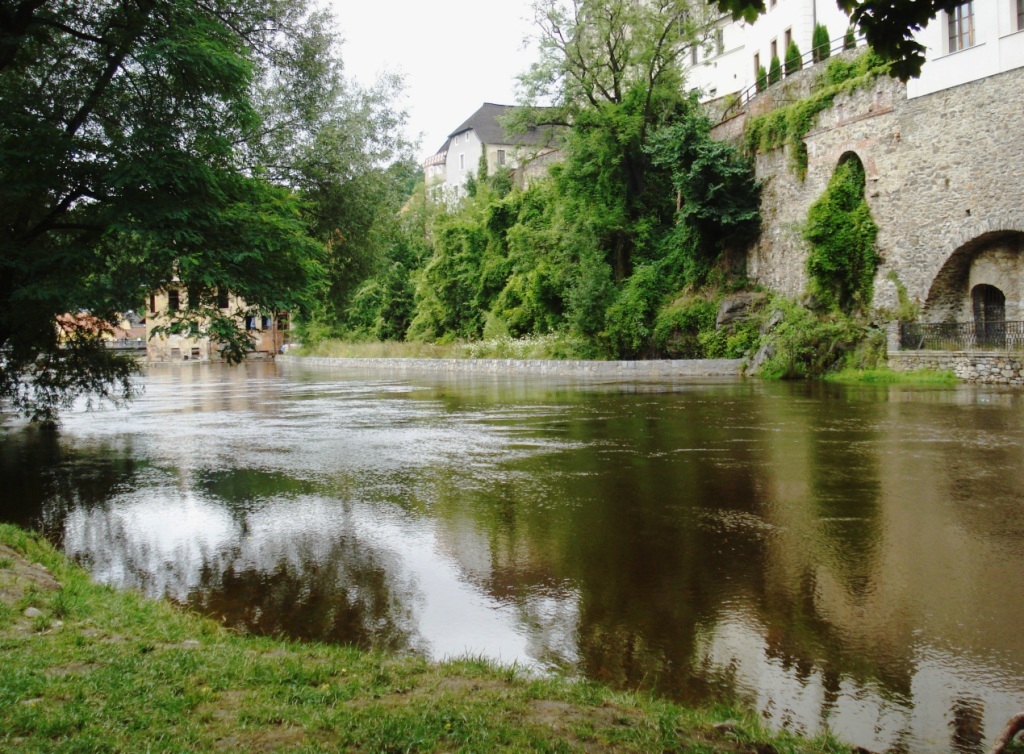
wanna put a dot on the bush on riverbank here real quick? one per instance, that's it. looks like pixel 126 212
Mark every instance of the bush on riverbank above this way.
pixel 94 669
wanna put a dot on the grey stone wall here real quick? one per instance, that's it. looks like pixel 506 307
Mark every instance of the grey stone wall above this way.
pixel 993 368
pixel 943 172
pixel 619 370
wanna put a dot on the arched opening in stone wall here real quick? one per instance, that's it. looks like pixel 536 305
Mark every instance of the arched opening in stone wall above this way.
pixel 995 260
pixel 989 304
pixel 849 156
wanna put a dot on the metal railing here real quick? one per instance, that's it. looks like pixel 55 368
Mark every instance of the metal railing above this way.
pixel 962 336
pixel 836 47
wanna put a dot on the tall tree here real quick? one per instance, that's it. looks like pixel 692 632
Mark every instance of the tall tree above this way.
pixel 144 142
pixel 612 69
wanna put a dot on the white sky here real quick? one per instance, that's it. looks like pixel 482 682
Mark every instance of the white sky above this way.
pixel 454 55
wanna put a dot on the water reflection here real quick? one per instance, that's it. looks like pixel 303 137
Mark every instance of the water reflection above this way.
pixel 836 556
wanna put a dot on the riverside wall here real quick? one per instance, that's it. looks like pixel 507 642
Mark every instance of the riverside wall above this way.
pixel 601 370
pixel 943 183
pixel 991 368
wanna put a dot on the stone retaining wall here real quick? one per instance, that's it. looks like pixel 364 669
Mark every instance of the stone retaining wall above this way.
pixel 993 367
pixel 618 370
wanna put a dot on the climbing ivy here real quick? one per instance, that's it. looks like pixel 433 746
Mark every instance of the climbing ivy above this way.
pixel 842 235
pixel 787 126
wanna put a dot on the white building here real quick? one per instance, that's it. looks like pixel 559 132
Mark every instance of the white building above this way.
pixel 482 133
pixel 979 39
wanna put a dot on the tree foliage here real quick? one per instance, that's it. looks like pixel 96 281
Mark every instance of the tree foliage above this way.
pixel 150 141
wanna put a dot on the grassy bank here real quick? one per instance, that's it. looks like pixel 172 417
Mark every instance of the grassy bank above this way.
pixel 91 669
pixel 885 376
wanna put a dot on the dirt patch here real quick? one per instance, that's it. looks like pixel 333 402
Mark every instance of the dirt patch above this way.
pixel 272 739
pixel 72 668
pixel 18 576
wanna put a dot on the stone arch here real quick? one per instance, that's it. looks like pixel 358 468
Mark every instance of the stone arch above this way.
pixel 956 272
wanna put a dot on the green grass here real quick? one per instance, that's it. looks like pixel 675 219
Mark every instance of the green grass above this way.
pixel 884 376
pixel 110 671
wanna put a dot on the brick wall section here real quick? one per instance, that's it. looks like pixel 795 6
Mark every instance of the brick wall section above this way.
pixel 942 171
pixel 619 370
pixel 994 368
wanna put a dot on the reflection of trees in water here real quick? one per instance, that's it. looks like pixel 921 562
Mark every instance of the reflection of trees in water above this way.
pixel 310 579
pixel 346 594
pixel 45 477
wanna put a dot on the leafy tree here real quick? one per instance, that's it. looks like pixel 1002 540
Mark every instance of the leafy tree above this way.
pixel 793 58
pixel 150 141
pixel 821 44
pixel 774 71
pixel 888 26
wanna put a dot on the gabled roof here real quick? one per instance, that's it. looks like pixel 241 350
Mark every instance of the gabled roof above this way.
pixel 489 131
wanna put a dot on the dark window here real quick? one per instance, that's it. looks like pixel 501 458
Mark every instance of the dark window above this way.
pixel 961 27
pixel 775 48
pixel 250 323
pixel 1020 15
pixel 173 302
pixel 222 298
pixel 265 324
pixel 757 61
pixel 195 352
pixel 788 36
pixel 152 302
pixel 989 315
pixel 282 322
pixel 693 55
pixel 501 152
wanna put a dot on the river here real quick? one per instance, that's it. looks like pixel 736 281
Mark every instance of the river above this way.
pixel 835 556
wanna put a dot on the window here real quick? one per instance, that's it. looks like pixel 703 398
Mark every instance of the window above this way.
pixel 265 324
pixel 693 55
pixel 462 162
pixel 282 321
pixel 173 302
pixel 501 152
pixel 961 27
pixel 152 302
pixel 775 48
pixel 719 41
pixel 788 40
pixel 1020 15
pixel 757 63
pixel 222 298
pixel 250 323
pixel 772 4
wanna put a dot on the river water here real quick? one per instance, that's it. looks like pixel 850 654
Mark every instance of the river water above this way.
pixel 848 557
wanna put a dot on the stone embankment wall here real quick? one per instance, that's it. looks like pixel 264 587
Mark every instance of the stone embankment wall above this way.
pixel 942 172
pixel 970 366
pixel 615 370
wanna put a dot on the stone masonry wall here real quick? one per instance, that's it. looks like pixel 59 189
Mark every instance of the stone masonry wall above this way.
pixel 942 170
pixel 993 368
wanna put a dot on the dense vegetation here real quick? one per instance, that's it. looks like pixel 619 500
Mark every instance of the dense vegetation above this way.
pixel 636 219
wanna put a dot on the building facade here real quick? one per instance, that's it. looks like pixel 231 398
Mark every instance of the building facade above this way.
pixel 268 333
pixel 483 134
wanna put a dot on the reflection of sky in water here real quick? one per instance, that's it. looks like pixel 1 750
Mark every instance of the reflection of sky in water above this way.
pixel 162 539
pixel 833 560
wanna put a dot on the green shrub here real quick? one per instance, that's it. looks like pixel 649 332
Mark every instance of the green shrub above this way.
pixel 762 78
pixel 821 44
pixel 850 39
pixel 793 58
pixel 774 71
pixel 805 345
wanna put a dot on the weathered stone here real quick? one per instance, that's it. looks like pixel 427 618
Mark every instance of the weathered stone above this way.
pixel 34 612
pixel 736 307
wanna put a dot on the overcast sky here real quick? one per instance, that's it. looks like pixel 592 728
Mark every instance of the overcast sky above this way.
pixel 454 54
